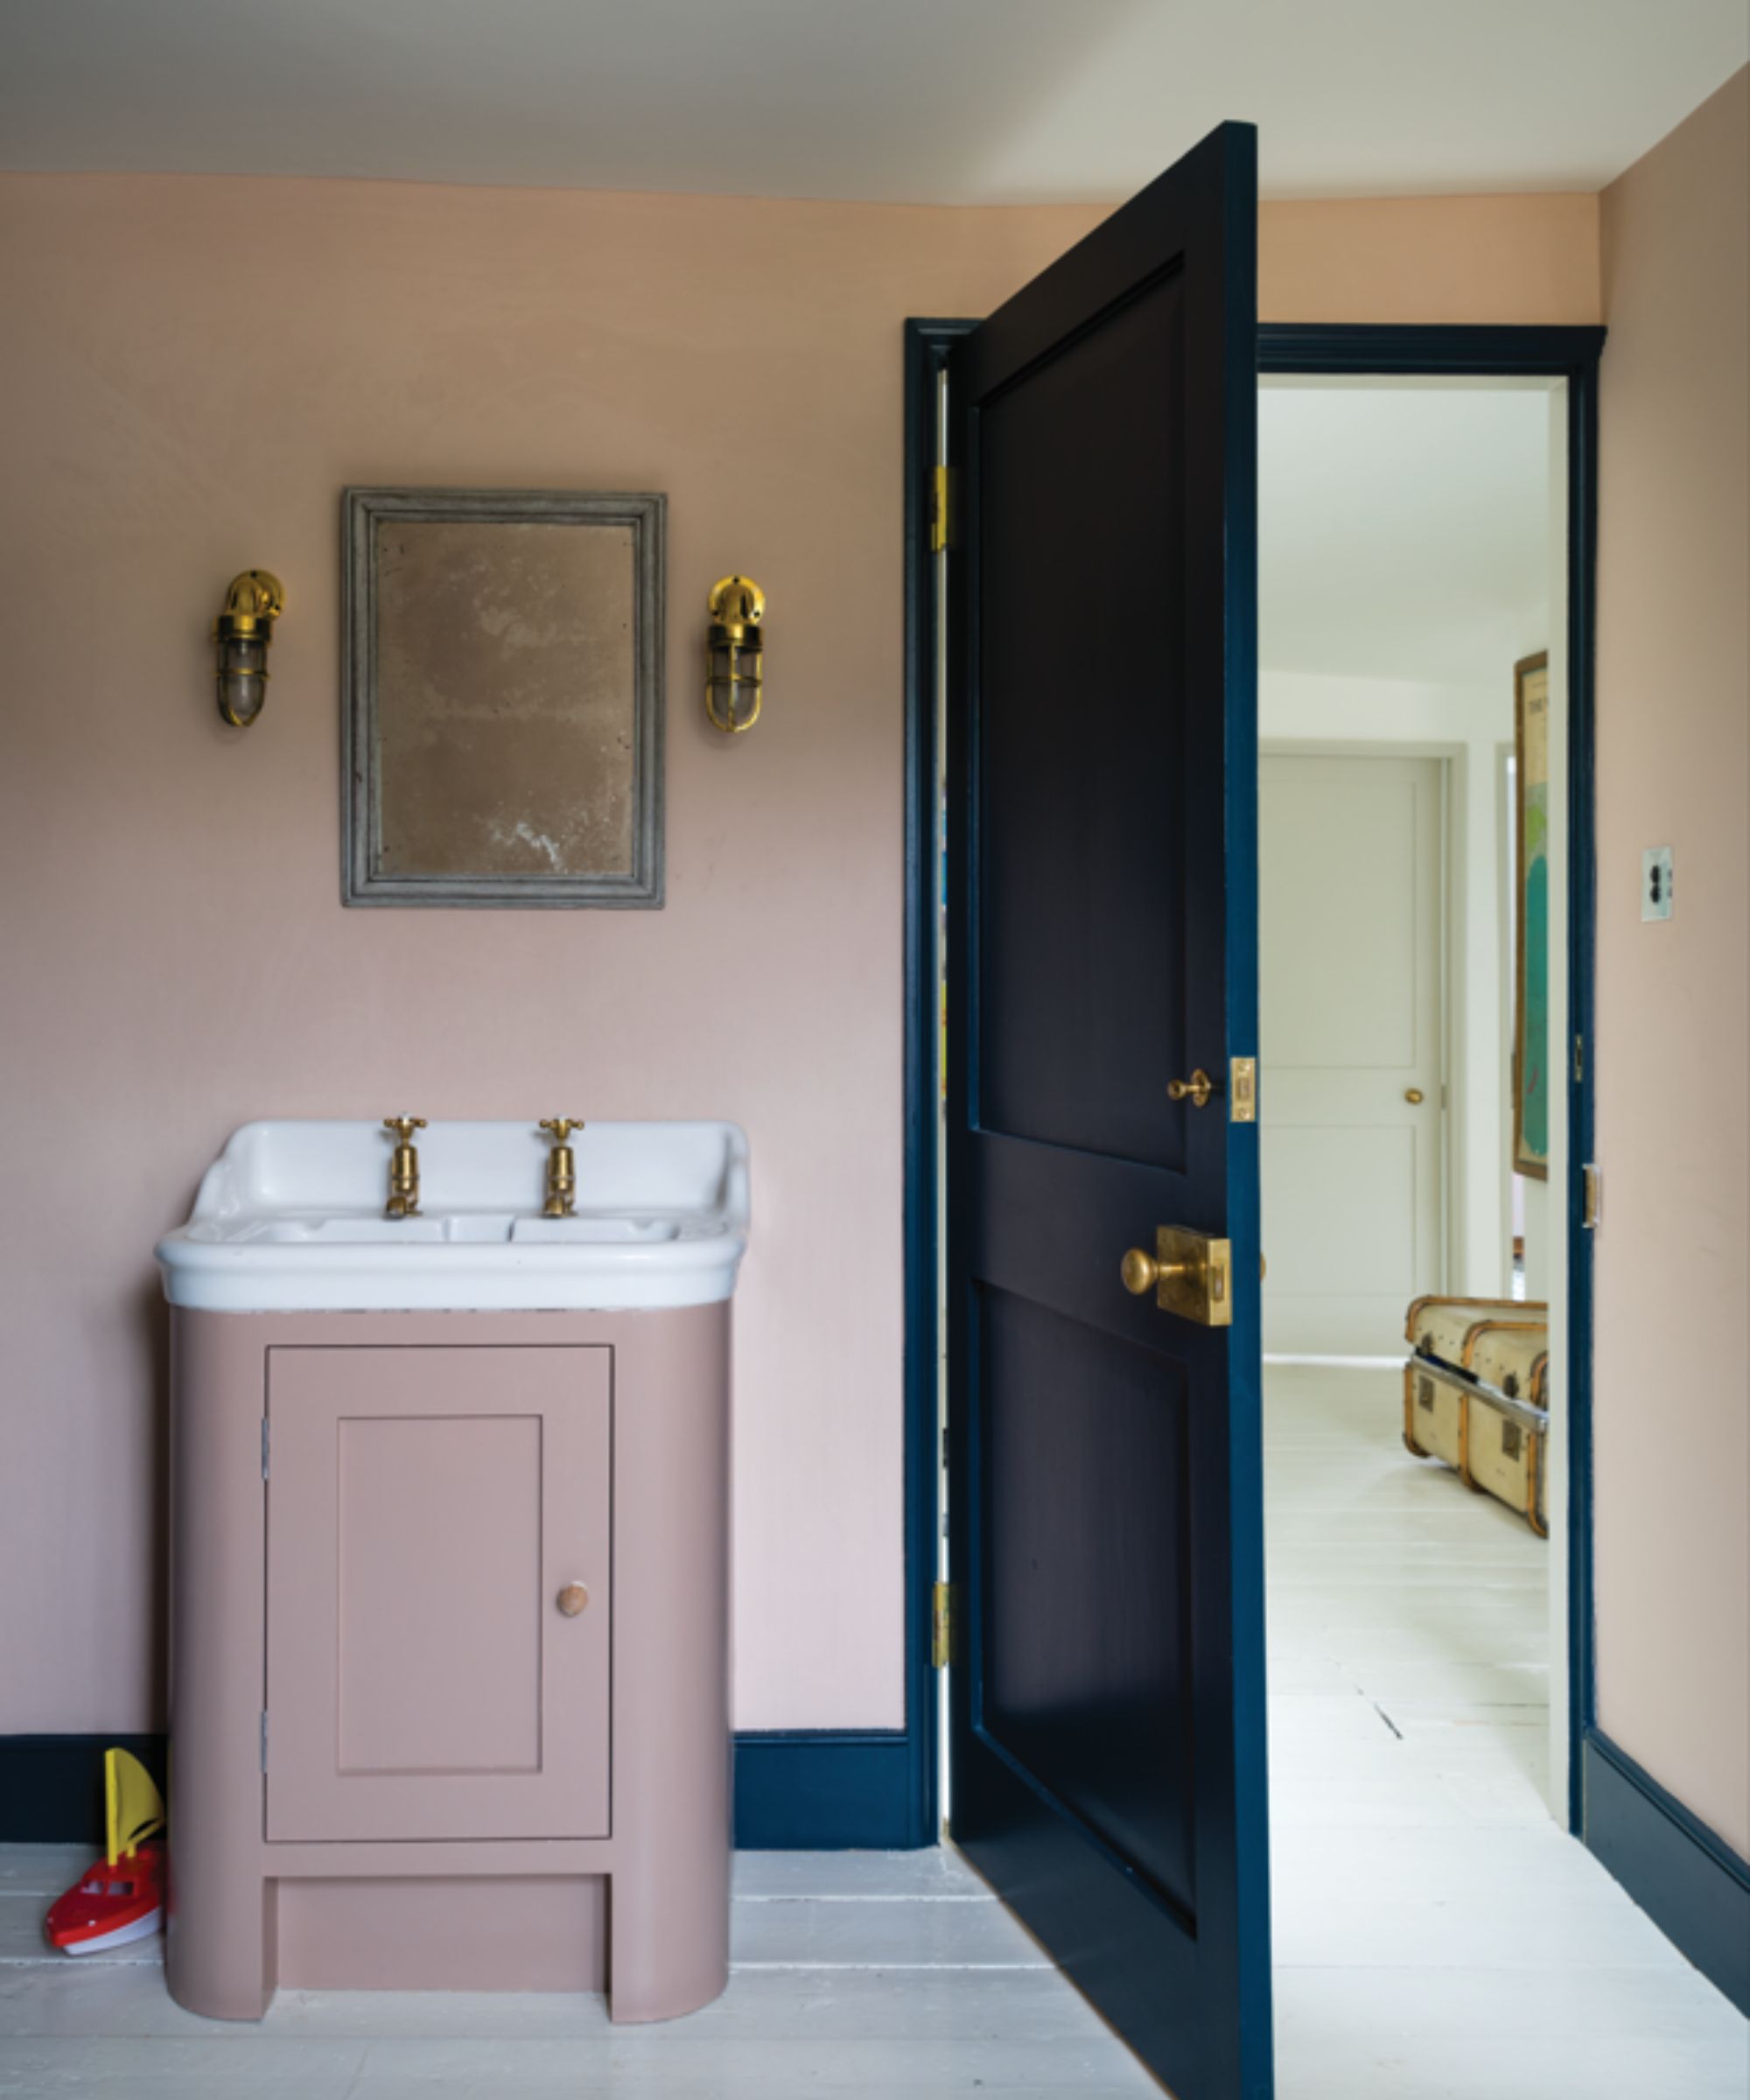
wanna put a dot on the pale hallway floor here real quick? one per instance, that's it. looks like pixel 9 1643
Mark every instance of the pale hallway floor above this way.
pixel 1438 1936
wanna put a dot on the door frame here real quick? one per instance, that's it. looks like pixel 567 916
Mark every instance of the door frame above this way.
pixel 1570 353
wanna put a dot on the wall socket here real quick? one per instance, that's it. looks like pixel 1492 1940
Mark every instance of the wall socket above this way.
pixel 1656 883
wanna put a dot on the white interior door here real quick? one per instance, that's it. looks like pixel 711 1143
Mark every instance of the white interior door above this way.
pixel 1351 861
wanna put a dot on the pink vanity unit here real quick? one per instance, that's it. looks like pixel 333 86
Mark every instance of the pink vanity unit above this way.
pixel 449 1584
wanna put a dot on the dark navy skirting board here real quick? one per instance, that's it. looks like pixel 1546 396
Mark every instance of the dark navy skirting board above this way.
pixel 811 1789
pixel 1694 1887
pixel 52 1785
pixel 824 1790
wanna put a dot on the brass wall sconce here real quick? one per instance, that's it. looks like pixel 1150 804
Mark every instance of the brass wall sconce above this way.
pixel 242 632
pixel 734 648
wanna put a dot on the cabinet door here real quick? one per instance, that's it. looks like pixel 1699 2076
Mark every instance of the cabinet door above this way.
pixel 426 1508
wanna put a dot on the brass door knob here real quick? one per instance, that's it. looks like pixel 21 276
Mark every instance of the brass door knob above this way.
pixel 572 1598
pixel 1197 1089
pixel 1142 1272
pixel 1191 1274
pixel 1414 1096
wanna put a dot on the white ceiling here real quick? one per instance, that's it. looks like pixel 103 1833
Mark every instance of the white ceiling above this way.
pixel 1402 532
pixel 962 101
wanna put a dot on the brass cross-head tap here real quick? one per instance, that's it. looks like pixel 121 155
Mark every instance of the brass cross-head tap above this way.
pixel 403 1167
pixel 561 1167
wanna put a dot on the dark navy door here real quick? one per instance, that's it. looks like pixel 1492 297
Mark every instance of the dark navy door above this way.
pixel 1105 1510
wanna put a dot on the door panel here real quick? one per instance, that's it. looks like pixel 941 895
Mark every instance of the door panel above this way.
pixel 425 1508
pixel 1351 860
pixel 1104 1461
pixel 1096 1704
pixel 1076 774
pixel 437 1553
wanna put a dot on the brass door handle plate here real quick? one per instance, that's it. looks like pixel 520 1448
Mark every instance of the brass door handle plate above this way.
pixel 572 1598
pixel 1197 1089
pixel 1189 1273
pixel 1414 1095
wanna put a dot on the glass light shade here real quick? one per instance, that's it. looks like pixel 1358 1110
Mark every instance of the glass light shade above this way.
pixel 732 672
pixel 243 678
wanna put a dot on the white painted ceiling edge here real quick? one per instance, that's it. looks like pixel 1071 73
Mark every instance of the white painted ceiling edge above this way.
pixel 1404 530
pixel 929 102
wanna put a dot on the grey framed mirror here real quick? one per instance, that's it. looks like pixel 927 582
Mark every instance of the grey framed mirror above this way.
pixel 502 698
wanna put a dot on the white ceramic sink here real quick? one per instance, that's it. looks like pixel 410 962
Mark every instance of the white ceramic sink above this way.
pixel 290 1219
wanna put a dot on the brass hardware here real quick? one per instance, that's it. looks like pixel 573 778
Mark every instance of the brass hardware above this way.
pixel 1139 1271
pixel 1189 1273
pixel 243 631
pixel 1197 1089
pixel 1592 1197
pixel 941 509
pixel 562 1168
pixel 944 1625
pixel 1242 1089
pixel 1414 1095
pixel 403 1167
pixel 572 1598
pixel 1416 1389
pixel 734 652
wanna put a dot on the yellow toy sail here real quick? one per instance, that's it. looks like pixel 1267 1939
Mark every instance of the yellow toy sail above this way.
pixel 134 1810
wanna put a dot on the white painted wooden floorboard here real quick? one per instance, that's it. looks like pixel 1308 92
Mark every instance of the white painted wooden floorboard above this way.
pixel 1438 1938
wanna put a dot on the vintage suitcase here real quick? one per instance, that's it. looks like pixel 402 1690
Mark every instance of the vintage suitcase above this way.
pixel 1494 1443
pixel 1434 1411
pixel 1503 1455
pixel 1440 1327
pixel 1512 1356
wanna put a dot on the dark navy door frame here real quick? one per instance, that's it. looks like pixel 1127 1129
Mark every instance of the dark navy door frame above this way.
pixel 1569 354
pixel 1572 355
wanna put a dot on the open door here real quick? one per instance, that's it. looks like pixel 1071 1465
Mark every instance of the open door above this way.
pixel 1106 1521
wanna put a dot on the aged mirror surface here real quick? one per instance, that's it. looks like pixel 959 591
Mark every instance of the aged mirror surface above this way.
pixel 502 698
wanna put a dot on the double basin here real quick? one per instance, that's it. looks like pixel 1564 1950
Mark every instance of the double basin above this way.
pixel 289 1218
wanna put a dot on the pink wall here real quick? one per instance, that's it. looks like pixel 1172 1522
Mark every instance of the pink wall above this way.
pixel 190 372
pixel 1673 1336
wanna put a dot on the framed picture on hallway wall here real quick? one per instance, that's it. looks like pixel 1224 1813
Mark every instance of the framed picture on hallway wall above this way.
pixel 502 698
pixel 1531 1089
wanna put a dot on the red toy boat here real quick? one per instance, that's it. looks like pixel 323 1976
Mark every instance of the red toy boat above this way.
pixel 121 1897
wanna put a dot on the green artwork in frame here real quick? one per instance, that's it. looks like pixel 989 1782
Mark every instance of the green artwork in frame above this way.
pixel 1531 1075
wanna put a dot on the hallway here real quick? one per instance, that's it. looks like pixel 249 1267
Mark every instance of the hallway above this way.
pixel 1437 1935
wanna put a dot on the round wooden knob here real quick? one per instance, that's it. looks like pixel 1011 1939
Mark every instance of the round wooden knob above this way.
pixel 572 1598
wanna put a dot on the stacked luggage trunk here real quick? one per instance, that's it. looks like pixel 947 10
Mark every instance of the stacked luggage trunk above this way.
pixel 1476 1396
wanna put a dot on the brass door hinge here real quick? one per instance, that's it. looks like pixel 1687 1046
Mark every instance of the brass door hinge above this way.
pixel 1242 1089
pixel 945 1625
pixel 1592 1197
pixel 942 509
